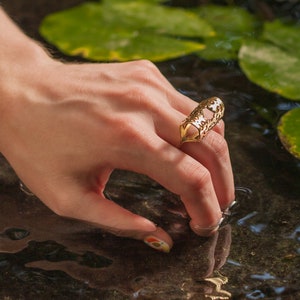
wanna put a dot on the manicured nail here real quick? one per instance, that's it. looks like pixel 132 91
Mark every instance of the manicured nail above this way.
pixel 207 231
pixel 157 244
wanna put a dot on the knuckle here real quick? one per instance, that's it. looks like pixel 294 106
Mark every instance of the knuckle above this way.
pixel 132 136
pixel 198 178
pixel 139 97
pixel 146 72
pixel 138 94
pixel 136 135
pixel 146 64
pixel 219 145
pixel 202 179
pixel 63 208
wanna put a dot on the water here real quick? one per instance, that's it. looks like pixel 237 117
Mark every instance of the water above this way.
pixel 255 255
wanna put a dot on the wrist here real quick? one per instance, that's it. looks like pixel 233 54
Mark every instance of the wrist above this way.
pixel 23 69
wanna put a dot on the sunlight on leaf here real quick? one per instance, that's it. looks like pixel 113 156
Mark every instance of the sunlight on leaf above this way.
pixel 271 67
pixel 157 18
pixel 285 36
pixel 289 131
pixel 124 30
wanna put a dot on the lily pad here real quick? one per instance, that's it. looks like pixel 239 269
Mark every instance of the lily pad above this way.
pixel 232 24
pixel 285 36
pixel 147 14
pixel 289 131
pixel 271 67
pixel 124 30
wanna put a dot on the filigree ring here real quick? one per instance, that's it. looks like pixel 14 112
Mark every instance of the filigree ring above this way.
pixel 201 120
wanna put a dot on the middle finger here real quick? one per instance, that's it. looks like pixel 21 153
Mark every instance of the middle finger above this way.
pixel 212 152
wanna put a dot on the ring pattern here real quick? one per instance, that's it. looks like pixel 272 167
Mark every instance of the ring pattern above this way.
pixel 200 122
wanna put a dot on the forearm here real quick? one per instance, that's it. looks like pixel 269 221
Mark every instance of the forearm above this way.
pixel 20 57
pixel 15 46
pixel 11 36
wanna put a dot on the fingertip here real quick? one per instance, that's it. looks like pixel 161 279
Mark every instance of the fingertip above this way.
pixel 157 243
pixel 159 240
pixel 206 231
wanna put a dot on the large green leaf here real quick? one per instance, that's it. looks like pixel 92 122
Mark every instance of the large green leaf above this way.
pixel 231 24
pixel 271 67
pixel 160 19
pixel 285 36
pixel 289 131
pixel 124 30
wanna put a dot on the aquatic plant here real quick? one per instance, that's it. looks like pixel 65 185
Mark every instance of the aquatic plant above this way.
pixel 114 30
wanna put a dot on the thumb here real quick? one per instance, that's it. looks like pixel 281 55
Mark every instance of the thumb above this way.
pixel 108 215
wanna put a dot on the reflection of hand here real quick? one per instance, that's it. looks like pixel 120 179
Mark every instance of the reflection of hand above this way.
pixel 194 268
pixel 65 127
pixel 218 259
pixel 219 250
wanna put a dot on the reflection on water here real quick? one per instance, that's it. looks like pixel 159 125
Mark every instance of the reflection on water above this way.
pixel 217 292
pixel 37 246
pixel 243 220
pixel 40 249
pixel 15 233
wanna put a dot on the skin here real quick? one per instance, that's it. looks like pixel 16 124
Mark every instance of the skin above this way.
pixel 65 127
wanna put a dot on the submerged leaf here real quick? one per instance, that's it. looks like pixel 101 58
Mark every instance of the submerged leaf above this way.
pixel 289 131
pixel 124 30
pixel 271 67
pixel 231 24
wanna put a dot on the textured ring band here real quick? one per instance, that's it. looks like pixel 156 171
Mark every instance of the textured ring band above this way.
pixel 201 121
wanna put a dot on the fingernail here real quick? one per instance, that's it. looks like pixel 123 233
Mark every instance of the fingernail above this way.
pixel 207 231
pixel 157 244
pixel 227 211
pixel 233 203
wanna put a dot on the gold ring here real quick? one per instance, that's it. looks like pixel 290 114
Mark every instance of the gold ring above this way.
pixel 203 118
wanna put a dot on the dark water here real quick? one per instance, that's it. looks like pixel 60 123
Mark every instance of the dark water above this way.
pixel 255 255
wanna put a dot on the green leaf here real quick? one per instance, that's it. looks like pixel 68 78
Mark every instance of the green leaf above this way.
pixel 271 67
pixel 231 24
pixel 285 36
pixel 124 30
pixel 289 131
pixel 158 18
pixel 228 18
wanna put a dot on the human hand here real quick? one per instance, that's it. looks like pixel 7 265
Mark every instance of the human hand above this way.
pixel 70 125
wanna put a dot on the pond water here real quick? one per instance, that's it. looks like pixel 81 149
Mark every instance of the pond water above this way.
pixel 255 255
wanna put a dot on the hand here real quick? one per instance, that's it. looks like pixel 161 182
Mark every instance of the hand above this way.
pixel 70 125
